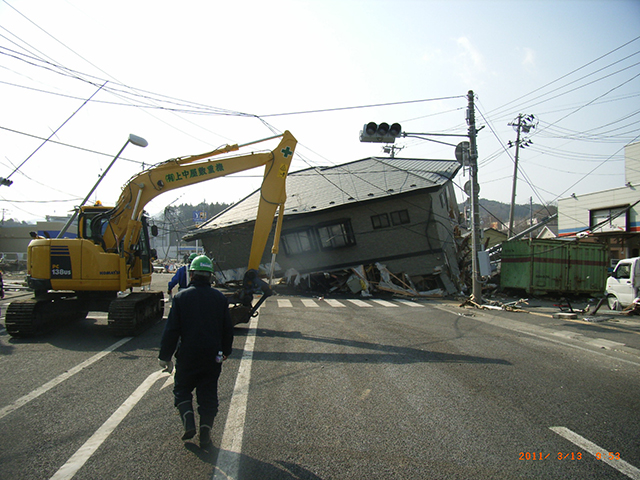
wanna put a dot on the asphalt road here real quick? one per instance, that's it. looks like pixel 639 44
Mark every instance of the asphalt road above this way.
pixel 321 389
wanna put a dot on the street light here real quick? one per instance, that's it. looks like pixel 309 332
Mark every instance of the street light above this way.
pixel 138 141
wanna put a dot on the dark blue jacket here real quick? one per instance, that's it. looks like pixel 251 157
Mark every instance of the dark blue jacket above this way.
pixel 199 318
pixel 180 278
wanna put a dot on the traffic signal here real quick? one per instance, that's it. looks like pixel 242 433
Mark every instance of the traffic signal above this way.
pixel 5 181
pixel 380 133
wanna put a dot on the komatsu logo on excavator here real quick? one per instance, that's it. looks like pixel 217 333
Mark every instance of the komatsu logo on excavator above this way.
pixel 194 172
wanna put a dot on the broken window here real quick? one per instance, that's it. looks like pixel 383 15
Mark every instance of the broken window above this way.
pixel 380 221
pixel 400 217
pixel 336 235
pixel 299 241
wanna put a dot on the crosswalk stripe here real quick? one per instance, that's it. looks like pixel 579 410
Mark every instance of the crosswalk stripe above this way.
pixel 360 303
pixel 409 303
pixel 384 303
pixel 334 303
pixel 315 303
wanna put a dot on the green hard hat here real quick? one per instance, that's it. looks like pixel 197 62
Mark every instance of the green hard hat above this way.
pixel 201 263
pixel 192 256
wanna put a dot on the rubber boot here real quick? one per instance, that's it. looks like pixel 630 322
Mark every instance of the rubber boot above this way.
pixel 188 420
pixel 206 424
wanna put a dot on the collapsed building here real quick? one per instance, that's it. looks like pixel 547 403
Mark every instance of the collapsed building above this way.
pixel 390 221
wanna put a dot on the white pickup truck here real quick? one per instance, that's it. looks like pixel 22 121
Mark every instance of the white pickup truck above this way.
pixel 624 283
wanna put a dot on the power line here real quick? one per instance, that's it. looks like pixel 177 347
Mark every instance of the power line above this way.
pixel 68 145
pixel 589 103
pixel 494 111
pixel 336 109
pixel 53 38
pixel 56 131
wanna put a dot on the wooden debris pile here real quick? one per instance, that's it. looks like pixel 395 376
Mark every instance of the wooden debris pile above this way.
pixel 514 306
pixel 364 280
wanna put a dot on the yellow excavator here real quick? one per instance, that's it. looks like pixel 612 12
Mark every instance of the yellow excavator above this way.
pixel 98 270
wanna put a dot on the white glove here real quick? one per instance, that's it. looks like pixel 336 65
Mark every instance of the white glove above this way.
pixel 167 366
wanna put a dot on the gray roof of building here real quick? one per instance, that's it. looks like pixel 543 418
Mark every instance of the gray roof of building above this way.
pixel 320 188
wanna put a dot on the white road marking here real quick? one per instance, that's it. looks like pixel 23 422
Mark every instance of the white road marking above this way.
pixel 169 382
pixel 360 303
pixel 309 302
pixel 60 378
pixel 617 463
pixel 228 462
pixel 384 303
pixel 78 459
pixel 409 303
pixel 334 303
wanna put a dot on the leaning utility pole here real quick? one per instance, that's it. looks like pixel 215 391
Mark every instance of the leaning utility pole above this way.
pixel 475 204
pixel 522 123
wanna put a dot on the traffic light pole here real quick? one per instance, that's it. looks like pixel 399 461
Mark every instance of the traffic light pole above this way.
pixel 383 133
pixel 476 294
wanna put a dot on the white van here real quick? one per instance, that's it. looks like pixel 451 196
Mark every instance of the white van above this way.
pixel 623 284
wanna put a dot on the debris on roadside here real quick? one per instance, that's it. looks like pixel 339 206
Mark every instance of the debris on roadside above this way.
pixel 566 307
pixel 367 280
pixel 514 306
pixel 633 309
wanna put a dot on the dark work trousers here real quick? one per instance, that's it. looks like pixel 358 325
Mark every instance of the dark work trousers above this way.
pixel 204 379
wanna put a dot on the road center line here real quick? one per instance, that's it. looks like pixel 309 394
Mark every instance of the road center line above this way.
pixel 78 459
pixel 619 464
pixel 59 379
pixel 228 462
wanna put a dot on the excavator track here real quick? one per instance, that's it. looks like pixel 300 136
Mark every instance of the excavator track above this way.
pixel 35 316
pixel 131 314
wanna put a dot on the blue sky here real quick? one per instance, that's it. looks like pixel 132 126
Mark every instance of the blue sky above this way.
pixel 193 76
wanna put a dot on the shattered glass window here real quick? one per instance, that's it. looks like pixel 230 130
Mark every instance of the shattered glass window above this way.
pixel 298 242
pixel 336 235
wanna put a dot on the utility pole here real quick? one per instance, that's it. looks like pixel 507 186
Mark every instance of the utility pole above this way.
pixel 391 149
pixel 523 123
pixel 475 204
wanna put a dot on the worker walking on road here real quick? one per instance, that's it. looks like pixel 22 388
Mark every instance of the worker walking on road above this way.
pixel 181 277
pixel 200 320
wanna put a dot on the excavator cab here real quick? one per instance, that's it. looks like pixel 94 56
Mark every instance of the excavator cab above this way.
pixel 93 223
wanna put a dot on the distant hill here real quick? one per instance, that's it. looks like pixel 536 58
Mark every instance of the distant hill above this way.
pixel 179 219
pixel 496 214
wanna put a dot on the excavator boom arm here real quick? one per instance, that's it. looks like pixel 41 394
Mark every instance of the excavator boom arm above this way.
pixel 124 218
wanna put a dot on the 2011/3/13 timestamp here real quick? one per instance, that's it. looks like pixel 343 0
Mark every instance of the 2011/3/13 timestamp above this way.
pixel 566 456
